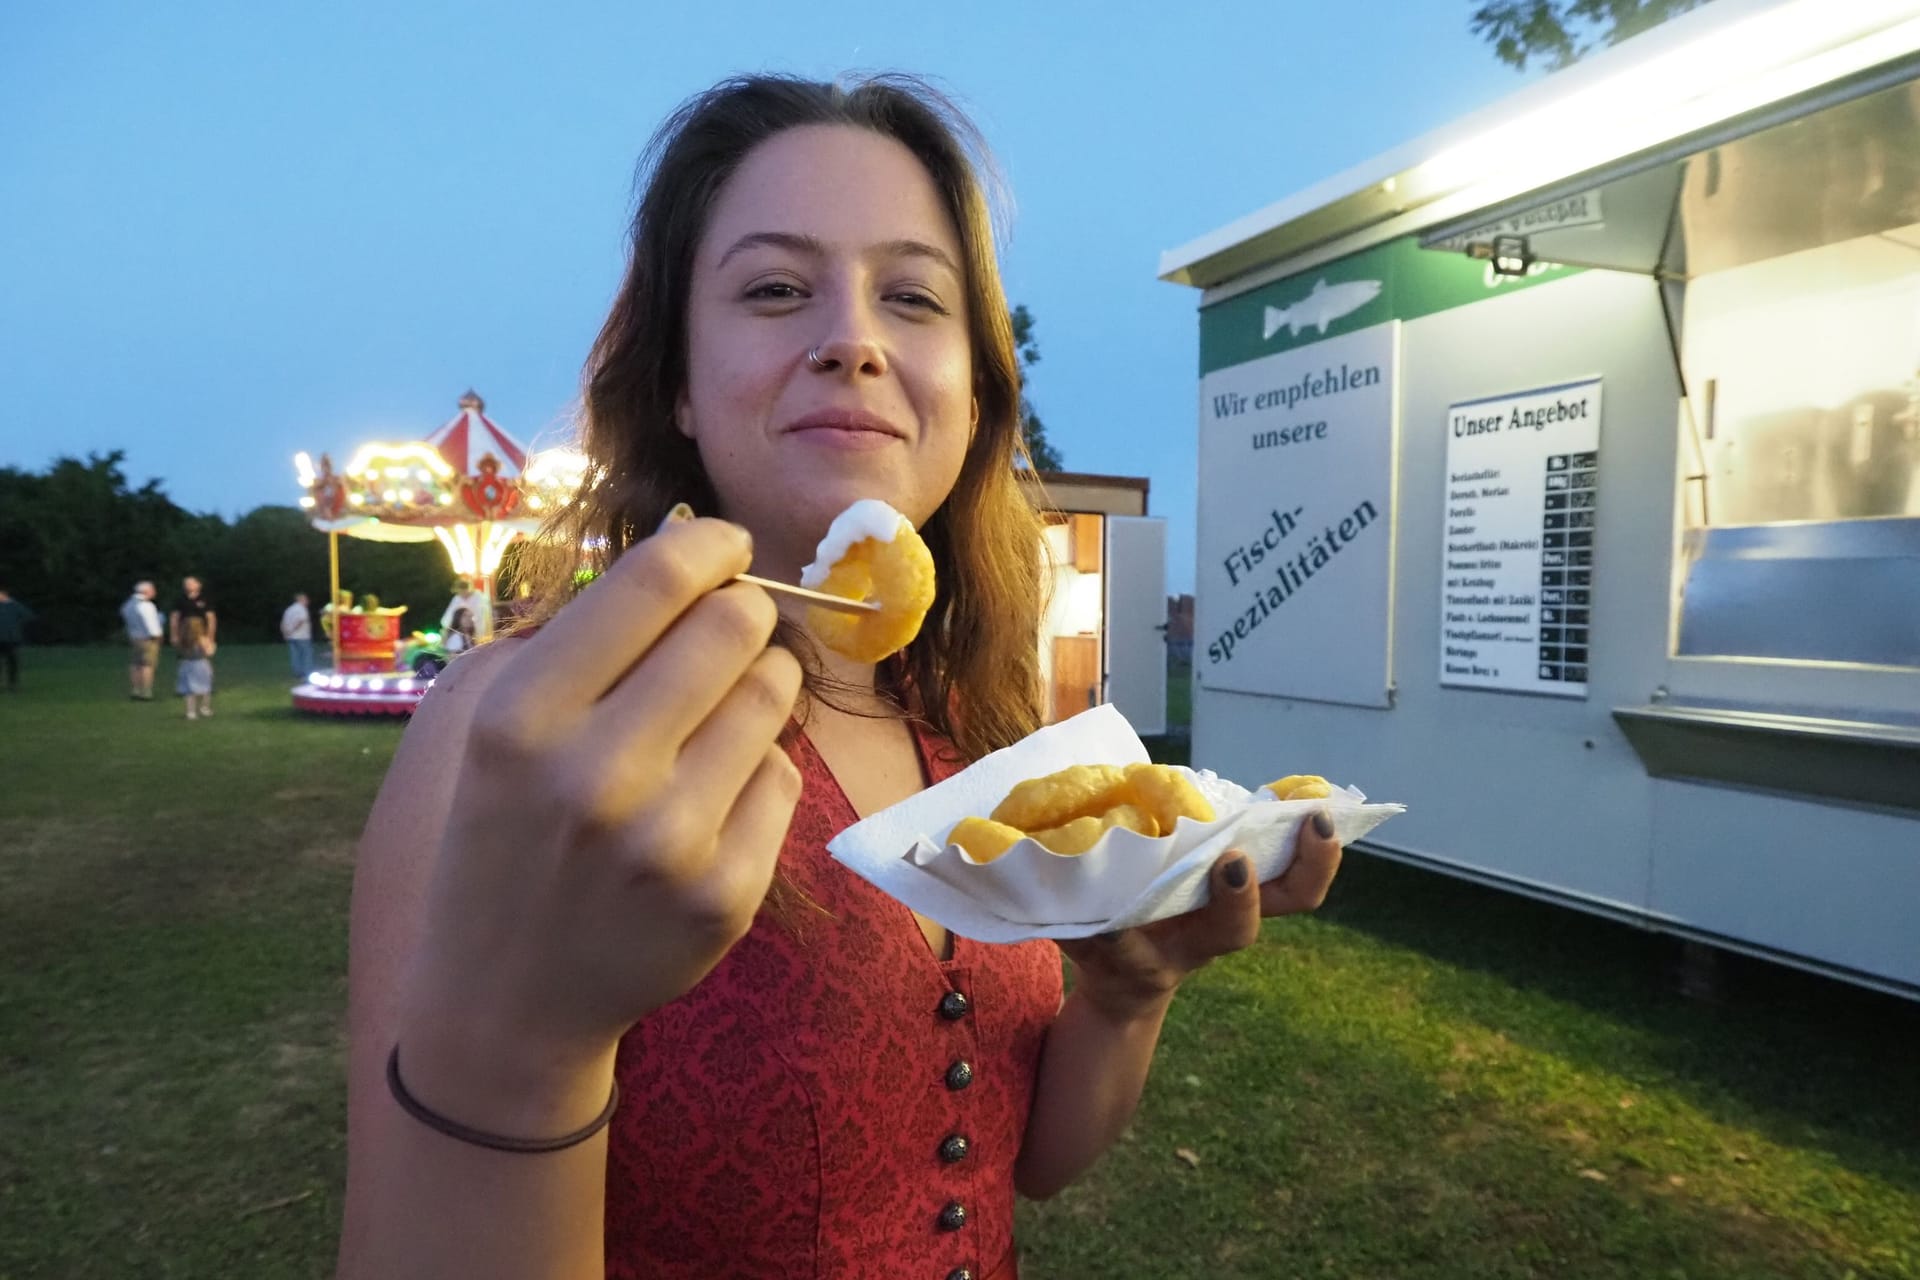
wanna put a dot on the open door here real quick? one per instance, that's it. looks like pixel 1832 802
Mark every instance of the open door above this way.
pixel 1136 620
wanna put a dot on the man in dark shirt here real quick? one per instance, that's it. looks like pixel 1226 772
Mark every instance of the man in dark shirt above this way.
pixel 14 617
pixel 192 604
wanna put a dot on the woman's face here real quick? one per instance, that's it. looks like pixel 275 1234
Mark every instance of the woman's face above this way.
pixel 830 239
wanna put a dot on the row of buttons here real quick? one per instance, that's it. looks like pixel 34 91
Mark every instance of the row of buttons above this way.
pixel 953 1216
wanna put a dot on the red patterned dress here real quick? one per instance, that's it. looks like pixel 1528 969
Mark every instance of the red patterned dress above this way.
pixel 833 1100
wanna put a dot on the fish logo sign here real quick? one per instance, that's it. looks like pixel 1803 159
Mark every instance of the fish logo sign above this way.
pixel 1320 308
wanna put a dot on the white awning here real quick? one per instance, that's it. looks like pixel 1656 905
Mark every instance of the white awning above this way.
pixel 1724 70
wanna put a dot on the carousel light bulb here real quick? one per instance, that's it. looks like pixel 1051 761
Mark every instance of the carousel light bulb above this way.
pixel 446 499
pixel 390 496
pixel 357 499
pixel 307 503
pixel 303 467
pixel 353 685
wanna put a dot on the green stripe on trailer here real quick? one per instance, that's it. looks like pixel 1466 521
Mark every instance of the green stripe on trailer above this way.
pixel 1395 281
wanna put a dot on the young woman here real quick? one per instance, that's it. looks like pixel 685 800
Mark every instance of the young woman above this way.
pixel 459 635
pixel 599 857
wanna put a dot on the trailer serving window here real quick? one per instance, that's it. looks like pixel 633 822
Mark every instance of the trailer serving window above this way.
pixel 1800 350
pixel 1787 256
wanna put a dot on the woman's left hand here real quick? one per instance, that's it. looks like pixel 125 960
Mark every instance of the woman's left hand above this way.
pixel 1136 971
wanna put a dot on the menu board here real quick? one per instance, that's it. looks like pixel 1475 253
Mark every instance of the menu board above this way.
pixel 1522 494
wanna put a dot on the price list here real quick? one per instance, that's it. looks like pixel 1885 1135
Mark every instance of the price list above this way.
pixel 1517 584
pixel 1566 565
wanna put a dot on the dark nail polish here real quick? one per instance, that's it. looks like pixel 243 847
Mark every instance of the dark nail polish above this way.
pixel 1323 825
pixel 1236 873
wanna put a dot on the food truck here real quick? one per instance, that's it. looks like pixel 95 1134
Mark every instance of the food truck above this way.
pixel 1559 477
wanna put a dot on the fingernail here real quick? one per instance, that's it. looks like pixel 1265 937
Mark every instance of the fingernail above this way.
pixel 678 513
pixel 1323 825
pixel 1236 873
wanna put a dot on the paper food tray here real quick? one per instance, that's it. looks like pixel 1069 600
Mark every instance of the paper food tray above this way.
pixel 1126 879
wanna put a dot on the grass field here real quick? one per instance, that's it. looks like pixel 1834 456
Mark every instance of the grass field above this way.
pixel 1425 1080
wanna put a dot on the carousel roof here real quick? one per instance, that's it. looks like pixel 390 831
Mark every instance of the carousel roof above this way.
pixel 464 474
pixel 470 433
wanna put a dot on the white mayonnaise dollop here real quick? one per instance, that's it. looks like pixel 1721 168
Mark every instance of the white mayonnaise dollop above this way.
pixel 867 518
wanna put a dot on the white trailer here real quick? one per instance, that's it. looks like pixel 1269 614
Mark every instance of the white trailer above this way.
pixel 1559 476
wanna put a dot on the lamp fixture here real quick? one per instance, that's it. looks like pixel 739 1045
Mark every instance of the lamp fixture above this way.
pixel 1511 255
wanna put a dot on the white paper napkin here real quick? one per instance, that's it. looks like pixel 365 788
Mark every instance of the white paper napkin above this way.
pixel 1127 879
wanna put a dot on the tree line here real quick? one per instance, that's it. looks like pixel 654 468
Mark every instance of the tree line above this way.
pixel 77 536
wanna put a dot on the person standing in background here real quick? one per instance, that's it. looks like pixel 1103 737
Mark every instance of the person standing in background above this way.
pixel 296 628
pixel 14 617
pixel 142 620
pixel 191 629
pixel 474 602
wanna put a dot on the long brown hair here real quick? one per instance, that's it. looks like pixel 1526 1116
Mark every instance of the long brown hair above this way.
pixel 973 672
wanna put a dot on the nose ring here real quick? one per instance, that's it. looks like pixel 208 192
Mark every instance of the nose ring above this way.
pixel 813 358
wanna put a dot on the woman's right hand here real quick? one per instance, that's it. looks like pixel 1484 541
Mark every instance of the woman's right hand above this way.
pixel 620 806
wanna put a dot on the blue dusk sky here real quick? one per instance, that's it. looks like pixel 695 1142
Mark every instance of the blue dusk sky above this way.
pixel 232 231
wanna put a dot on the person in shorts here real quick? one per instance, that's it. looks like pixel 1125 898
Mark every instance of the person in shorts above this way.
pixel 142 620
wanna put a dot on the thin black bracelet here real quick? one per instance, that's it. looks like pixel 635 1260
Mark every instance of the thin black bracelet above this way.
pixel 479 1137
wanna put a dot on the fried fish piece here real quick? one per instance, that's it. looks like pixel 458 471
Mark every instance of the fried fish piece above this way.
pixel 1167 794
pixel 1075 837
pixel 871 552
pixel 1133 818
pixel 1078 791
pixel 1301 786
pixel 984 839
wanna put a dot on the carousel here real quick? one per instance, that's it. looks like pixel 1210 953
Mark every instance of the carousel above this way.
pixel 470 487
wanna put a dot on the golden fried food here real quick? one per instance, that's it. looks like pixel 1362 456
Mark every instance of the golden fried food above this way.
pixel 1301 786
pixel 1133 818
pixel 1079 791
pixel 1075 837
pixel 984 839
pixel 1167 794
pixel 1082 834
pixel 1068 811
pixel 871 552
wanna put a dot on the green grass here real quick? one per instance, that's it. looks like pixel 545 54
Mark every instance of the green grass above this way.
pixel 1430 1079
pixel 1425 1080
pixel 172 926
pixel 1179 694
